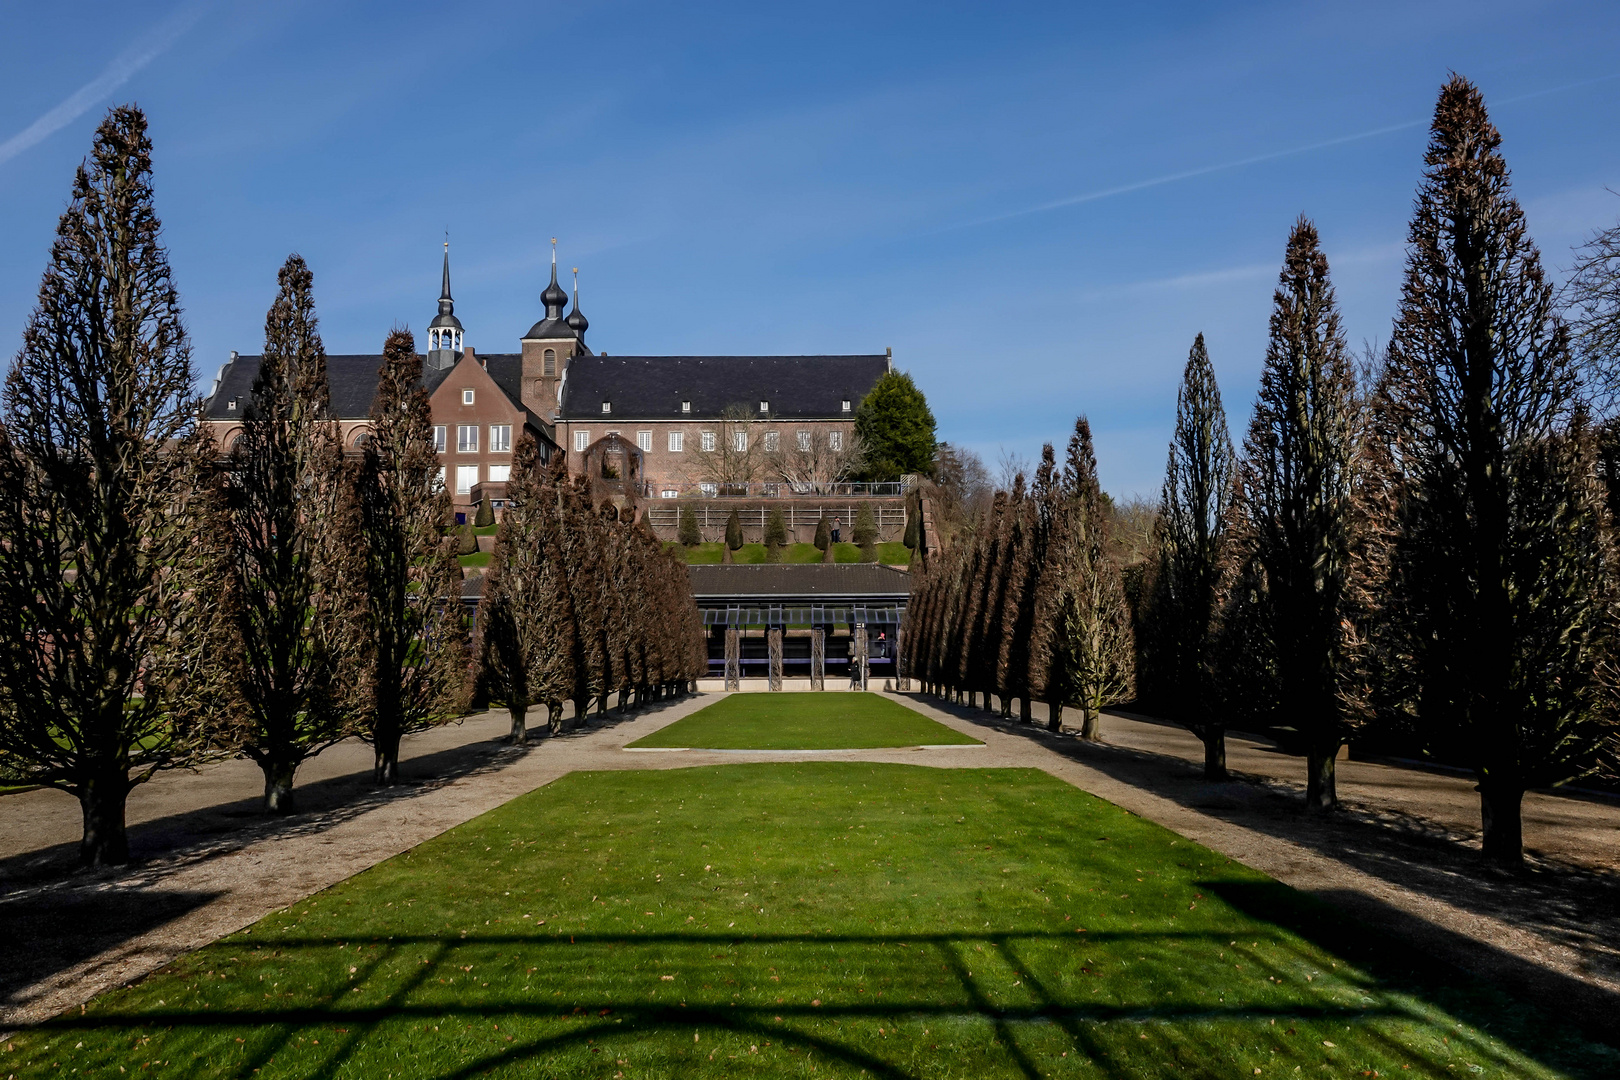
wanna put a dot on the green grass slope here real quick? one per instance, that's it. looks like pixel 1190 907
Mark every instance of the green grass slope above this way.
pixel 813 721
pixel 815 919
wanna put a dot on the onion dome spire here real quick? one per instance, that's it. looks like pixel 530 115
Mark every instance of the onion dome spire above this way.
pixel 576 318
pixel 554 298
pixel 447 303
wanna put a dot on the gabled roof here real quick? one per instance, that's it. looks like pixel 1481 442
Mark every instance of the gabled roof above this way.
pixel 351 381
pixel 851 581
pixel 653 387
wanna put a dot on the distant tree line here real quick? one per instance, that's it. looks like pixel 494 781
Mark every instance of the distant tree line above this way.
pixel 1426 544
pixel 165 601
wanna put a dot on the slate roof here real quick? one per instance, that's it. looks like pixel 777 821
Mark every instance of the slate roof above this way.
pixel 351 381
pixel 741 581
pixel 551 330
pixel 653 387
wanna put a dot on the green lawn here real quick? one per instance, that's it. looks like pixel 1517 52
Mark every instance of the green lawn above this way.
pixel 824 721
pixel 892 554
pixel 476 559
pixel 811 919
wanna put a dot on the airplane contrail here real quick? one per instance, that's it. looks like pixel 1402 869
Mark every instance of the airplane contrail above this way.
pixel 141 52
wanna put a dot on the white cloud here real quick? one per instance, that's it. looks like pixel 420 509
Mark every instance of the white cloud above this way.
pixel 140 53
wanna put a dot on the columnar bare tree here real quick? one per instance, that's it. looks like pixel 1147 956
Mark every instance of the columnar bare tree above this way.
pixel 525 616
pixel 1298 480
pixel 107 571
pixel 285 585
pixel 410 630
pixel 1180 623
pixel 1501 554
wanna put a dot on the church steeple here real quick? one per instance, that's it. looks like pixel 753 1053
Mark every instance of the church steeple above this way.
pixel 554 298
pixel 445 332
pixel 576 318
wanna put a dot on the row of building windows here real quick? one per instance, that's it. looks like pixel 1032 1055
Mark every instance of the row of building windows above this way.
pixel 467 476
pixel 709 440
pixel 686 406
pixel 500 438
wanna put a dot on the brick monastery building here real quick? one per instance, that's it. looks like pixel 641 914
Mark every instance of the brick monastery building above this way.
pixel 661 423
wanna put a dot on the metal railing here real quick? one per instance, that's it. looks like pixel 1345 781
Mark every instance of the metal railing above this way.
pixel 778 489
pixel 755 517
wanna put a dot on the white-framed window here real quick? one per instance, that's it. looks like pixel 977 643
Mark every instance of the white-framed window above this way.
pixel 440 480
pixel 582 439
pixel 499 474
pixel 709 490
pixel 500 438
pixel 770 442
pixel 739 441
pixel 804 439
pixel 844 405
pixel 466 477
pixel 708 442
pixel 686 406
pixel 438 438
pixel 677 442
pixel 550 367
pixel 643 441
pixel 764 406
pixel 670 493
pixel 607 407
pixel 466 438
pixel 466 395
pixel 835 440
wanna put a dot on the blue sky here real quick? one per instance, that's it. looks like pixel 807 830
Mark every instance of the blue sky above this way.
pixel 1036 206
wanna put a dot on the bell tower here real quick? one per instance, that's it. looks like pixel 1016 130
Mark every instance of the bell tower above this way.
pixel 444 332
pixel 549 345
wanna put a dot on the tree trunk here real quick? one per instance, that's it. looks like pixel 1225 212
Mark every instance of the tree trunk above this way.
pixel 105 841
pixel 602 702
pixel 582 711
pixel 1090 724
pixel 1499 807
pixel 278 786
pixel 1054 716
pixel 1026 711
pixel 520 726
pixel 1006 707
pixel 554 717
pixel 385 767
pixel 1321 788
pixel 1214 753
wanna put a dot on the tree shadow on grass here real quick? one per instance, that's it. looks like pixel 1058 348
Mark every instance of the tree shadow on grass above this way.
pixel 1390 1010
pixel 1575 906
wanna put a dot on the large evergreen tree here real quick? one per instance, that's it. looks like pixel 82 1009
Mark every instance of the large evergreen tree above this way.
pixel 285 583
pixel 1500 555
pixel 1297 495
pixel 107 571
pixel 895 429
pixel 1182 606
pixel 411 630
pixel 525 616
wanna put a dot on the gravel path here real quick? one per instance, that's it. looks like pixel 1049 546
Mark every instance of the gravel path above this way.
pixel 1399 857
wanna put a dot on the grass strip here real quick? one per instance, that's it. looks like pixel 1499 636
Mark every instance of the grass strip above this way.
pixel 810 721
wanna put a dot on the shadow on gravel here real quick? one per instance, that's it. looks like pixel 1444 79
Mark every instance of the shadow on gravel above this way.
pixel 1575 906
pixel 47 933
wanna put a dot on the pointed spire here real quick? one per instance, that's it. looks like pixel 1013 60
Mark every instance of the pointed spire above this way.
pixel 576 318
pixel 554 298
pixel 446 318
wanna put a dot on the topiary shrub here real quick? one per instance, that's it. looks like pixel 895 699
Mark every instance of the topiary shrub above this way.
pixel 913 522
pixel 866 533
pixel 734 539
pixel 823 535
pixel 486 514
pixel 775 535
pixel 467 542
pixel 688 532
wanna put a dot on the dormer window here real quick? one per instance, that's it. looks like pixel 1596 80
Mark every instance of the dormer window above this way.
pixel 230 406
pixel 686 406
pixel 607 407
pixel 467 397
pixel 764 406
pixel 845 405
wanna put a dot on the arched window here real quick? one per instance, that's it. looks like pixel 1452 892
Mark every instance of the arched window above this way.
pixel 550 363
